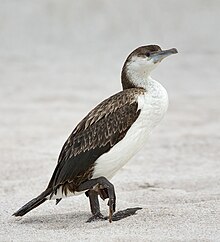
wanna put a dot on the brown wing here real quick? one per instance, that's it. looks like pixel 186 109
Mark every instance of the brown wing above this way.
pixel 96 134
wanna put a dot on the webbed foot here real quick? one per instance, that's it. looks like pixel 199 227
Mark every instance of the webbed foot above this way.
pixel 96 217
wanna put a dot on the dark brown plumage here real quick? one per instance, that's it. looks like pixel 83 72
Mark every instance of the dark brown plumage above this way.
pixel 100 130
pixel 96 134
pixel 103 127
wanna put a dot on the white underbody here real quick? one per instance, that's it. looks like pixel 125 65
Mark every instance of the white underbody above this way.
pixel 153 105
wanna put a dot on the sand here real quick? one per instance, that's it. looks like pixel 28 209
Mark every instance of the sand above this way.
pixel 58 59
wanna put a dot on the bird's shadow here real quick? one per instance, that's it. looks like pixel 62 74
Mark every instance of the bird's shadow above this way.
pixel 55 221
pixel 76 219
pixel 119 215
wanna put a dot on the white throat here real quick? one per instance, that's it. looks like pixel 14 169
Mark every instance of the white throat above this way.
pixel 138 71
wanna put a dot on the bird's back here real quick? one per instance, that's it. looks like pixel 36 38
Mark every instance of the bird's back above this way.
pixel 95 135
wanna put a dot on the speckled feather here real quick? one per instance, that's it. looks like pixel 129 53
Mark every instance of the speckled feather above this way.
pixel 94 150
pixel 96 134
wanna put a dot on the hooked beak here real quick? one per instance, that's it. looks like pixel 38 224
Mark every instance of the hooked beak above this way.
pixel 160 55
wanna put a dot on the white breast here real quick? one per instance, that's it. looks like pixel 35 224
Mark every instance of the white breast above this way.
pixel 153 105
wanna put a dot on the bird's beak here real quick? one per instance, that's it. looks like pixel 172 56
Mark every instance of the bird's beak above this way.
pixel 160 55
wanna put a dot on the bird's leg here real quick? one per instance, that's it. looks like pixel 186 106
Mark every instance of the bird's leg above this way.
pixel 94 205
pixel 90 184
pixel 101 186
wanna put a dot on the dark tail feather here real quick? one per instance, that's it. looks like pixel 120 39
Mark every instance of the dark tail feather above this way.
pixel 33 203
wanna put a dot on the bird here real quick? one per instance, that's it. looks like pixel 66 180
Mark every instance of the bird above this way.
pixel 109 135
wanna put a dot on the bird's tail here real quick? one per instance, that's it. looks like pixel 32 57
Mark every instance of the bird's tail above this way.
pixel 33 203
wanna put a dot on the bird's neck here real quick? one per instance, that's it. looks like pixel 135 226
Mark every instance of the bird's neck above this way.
pixel 132 79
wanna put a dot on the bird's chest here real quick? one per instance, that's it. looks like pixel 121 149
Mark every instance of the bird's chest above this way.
pixel 153 105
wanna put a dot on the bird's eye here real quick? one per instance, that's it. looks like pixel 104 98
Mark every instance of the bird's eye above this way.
pixel 148 54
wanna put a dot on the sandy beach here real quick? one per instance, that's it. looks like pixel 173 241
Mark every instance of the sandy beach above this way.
pixel 58 59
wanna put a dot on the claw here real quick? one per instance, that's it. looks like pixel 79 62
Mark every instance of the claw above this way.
pixel 111 204
pixel 110 215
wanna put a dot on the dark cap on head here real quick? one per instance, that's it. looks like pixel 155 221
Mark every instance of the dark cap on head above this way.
pixel 149 50
pixel 141 62
pixel 144 50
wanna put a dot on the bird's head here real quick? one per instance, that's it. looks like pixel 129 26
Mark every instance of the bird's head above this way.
pixel 142 61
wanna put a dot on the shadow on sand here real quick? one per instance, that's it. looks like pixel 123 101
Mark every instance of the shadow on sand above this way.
pixel 63 221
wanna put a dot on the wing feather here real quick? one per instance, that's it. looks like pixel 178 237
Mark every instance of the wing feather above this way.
pixel 100 130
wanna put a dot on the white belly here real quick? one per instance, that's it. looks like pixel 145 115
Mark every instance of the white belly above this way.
pixel 153 106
